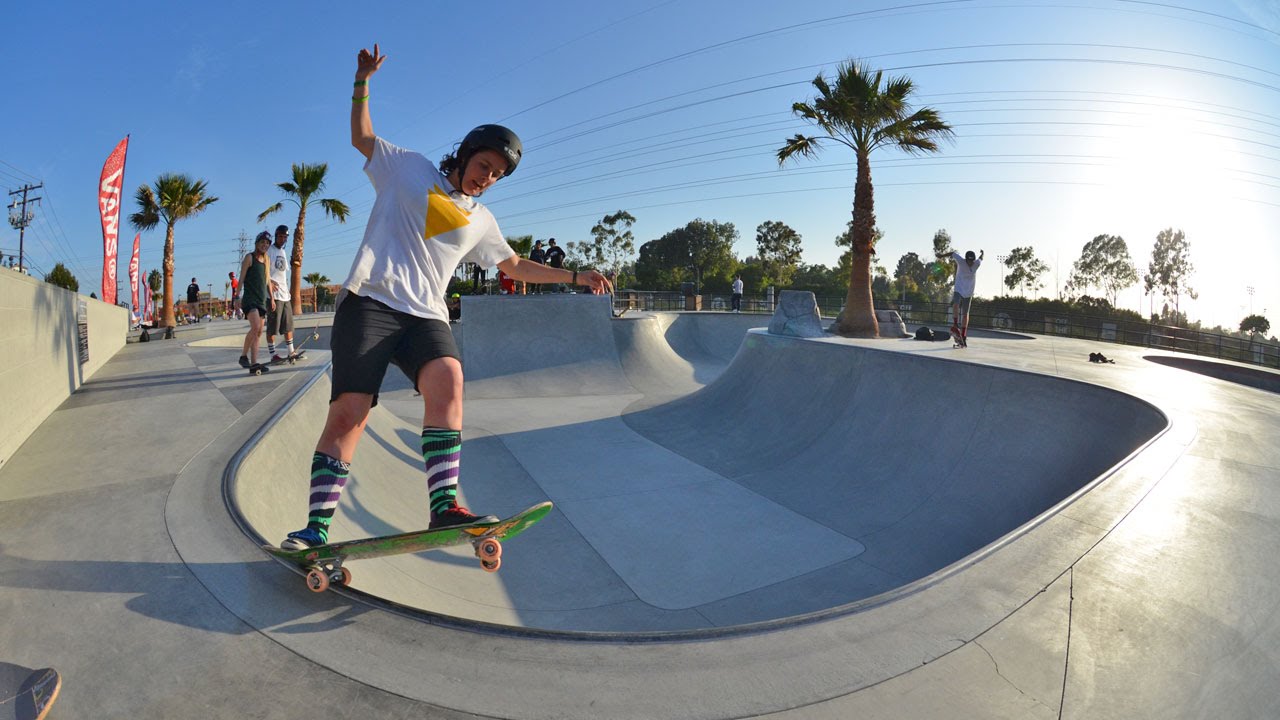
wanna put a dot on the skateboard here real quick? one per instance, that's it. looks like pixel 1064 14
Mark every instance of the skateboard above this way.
pixel 27 695
pixel 258 369
pixel 958 338
pixel 323 565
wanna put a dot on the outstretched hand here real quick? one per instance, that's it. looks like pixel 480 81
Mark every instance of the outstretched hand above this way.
pixel 368 63
pixel 598 283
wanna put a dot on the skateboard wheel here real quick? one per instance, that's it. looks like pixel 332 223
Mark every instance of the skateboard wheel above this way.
pixel 491 565
pixel 317 580
pixel 489 549
pixel 342 576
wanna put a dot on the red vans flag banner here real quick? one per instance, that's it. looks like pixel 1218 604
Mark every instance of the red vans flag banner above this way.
pixel 110 185
pixel 133 276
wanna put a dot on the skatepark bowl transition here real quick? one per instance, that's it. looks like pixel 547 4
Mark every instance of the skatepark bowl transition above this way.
pixel 745 525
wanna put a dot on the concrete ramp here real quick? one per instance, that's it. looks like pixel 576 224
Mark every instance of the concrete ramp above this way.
pixel 922 460
pixel 539 346
pixel 808 475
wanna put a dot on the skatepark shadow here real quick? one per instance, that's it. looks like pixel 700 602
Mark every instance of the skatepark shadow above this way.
pixel 163 591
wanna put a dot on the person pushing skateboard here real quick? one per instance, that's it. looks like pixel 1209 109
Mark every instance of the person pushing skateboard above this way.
pixel 962 295
pixel 425 221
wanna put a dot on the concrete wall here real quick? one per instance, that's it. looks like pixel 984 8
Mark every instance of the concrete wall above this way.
pixel 39 357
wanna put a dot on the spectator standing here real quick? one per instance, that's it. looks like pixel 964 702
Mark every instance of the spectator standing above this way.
pixel 737 294
pixel 280 319
pixel 555 258
pixel 538 255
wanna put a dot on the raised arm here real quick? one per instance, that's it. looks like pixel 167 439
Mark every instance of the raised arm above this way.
pixel 362 137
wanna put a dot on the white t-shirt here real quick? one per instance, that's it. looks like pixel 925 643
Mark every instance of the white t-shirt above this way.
pixel 419 230
pixel 278 267
pixel 966 276
pixel 737 286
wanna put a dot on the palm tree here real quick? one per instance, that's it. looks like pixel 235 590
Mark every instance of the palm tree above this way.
pixel 307 181
pixel 316 279
pixel 864 111
pixel 175 197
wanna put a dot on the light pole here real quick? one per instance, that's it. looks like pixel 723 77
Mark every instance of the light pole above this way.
pixel 1249 290
pixel 1000 259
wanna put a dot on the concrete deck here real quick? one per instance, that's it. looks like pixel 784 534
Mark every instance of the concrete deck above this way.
pixel 884 529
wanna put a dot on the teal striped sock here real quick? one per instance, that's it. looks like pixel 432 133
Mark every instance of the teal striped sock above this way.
pixel 441 451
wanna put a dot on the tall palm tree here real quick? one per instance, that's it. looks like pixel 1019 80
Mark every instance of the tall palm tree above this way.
pixel 308 180
pixel 864 111
pixel 316 279
pixel 175 197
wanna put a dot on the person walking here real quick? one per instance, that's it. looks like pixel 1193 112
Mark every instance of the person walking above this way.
pixel 962 294
pixel 257 297
pixel 280 319
pixel 193 300
pixel 425 221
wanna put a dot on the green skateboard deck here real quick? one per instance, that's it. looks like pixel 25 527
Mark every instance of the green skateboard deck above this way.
pixel 323 565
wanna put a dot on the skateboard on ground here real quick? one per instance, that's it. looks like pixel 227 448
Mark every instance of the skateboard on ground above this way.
pixel 26 695
pixel 323 565
pixel 258 369
pixel 958 338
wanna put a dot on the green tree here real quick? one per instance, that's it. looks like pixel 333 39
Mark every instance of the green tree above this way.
pixel 308 180
pixel 174 198
pixel 701 250
pixel 521 244
pixel 1255 324
pixel 318 282
pixel 778 250
pixel 1170 268
pixel 864 111
pixel 612 243
pixel 910 267
pixel 63 278
pixel 1104 264
pixel 1024 270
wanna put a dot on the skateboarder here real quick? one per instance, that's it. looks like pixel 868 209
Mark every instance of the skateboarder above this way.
pixel 425 221
pixel 257 297
pixel 962 296
pixel 280 319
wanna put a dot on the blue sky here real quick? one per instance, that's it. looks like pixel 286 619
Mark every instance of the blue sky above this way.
pixel 1073 119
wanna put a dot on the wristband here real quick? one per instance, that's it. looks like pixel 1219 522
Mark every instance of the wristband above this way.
pixel 359 83
pixel 359 99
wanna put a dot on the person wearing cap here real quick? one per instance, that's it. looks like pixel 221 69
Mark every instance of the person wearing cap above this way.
pixel 555 258
pixel 256 300
pixel 234 282
pixel 426 220
pixel 280 319
pixel 962 295
pixel 538 255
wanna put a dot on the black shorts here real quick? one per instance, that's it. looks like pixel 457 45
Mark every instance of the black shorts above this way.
pixel 368 336
pixel 250 308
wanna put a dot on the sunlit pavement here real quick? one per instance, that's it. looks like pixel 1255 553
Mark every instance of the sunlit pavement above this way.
pixel 1149 594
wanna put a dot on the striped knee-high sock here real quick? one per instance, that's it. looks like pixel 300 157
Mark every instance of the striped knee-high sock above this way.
pixel 441 451
pixel 328 477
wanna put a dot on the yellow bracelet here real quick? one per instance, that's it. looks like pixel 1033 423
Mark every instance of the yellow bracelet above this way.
pixel 359 99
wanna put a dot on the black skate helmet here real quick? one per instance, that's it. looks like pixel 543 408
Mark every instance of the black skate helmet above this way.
pixel 492 137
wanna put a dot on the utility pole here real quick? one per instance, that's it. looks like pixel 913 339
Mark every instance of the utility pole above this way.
pixel 20 218
pixel 242 248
